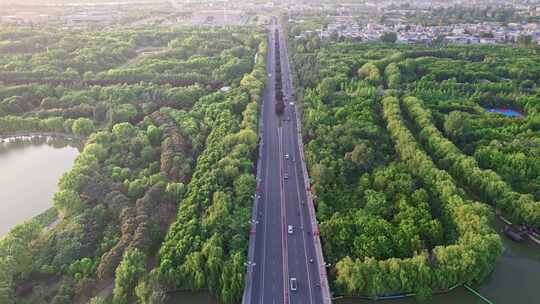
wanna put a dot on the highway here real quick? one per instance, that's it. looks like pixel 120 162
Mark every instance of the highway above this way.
pixel 282 200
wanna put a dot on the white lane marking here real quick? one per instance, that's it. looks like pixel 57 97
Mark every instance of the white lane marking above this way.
pixel 296 151
pixel 284 248
pixel 265 203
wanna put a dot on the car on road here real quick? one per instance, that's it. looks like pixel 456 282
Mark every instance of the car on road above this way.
pixel 294 284
pixel 290 229
pixel 286 156
pixel 286 176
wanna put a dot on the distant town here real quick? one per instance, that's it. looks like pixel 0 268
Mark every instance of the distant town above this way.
pixel 426 22
pixel 417 21
pixel 344 27
pixel 135 13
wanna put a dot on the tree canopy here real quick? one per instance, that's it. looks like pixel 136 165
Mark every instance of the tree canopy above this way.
pixel 160 138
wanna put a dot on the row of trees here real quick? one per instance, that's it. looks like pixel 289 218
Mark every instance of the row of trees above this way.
pixel 516 163
pixel 81 127
pixel 113 201
pixel 487 184
pixel 187 56
pixel 491 81
pixel 207 244
pixel 380 224
pixel 143 141
pixel 44 104
pixel 370 189
pixel 445 266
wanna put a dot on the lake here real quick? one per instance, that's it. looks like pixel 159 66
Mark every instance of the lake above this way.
pixel 30 169
pixel 505 112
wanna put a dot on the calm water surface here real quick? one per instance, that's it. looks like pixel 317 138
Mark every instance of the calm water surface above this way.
pixel 505 112
pixel 29 174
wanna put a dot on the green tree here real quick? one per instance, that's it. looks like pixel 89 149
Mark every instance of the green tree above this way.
pixel 68 202
pixel 98 300
pixel 362 155
pixel 455 125
pixel 82 268
pixel 122 113
pixel 129 272
pixel 370 72
pixel 154 135
pixel 124 131
pixel 136 188
pixel 327 88
pixel 83 127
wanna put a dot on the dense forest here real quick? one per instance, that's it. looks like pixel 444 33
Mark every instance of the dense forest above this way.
pixel 408 165
pixel 168 118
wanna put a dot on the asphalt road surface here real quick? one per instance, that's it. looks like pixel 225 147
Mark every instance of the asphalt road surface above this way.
pixel 280 256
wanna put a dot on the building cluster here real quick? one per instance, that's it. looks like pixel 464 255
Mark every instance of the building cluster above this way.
pixel 212 17
pixel 76 15
pixel 137 13
pixel 346 27
pixel 241 12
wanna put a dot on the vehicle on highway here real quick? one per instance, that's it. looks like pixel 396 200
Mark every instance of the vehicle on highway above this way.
pixel 286 176
pixel 286 156
pixel 294 284
pixel 311 261
pixel 290 229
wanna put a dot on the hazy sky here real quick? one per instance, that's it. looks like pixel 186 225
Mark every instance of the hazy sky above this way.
pixel 30 2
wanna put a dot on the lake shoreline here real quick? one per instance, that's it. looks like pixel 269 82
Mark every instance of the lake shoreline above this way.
pixel 46 220
pixel 31 168
pixel 68 136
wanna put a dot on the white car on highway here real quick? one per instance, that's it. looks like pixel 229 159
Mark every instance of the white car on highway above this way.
pixel 290 229
pixel 294 285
